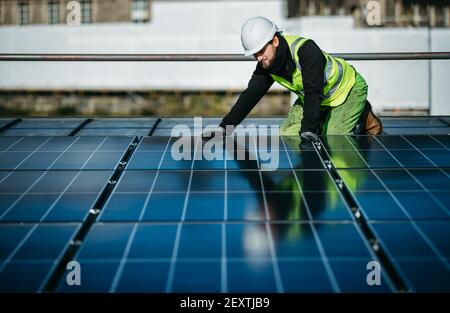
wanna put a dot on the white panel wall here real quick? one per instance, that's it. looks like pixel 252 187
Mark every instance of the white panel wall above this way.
pixel 440 81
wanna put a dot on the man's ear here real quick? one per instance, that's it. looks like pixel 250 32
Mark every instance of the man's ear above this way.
pixel 275 41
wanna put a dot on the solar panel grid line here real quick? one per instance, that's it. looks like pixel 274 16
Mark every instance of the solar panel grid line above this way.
pixel 58 198
pixel 119 271
pixel 365 240
pixel 273 256
pixel 364 230
pixel 223 261
pixel 6 176
pixel 444 146
pixel 233 259
pixel 424 188
pixel 12 145
pixel 57 274
pixel 67 187
pixel 324 259
pixel 413 223
pixel 104 156
pixel 409 285
pixel 427 157
pixel 55 262
pixel 29 155
pixel 18 247
pixel 85 151
pixel 141 216
pixel 27 191
pixel 410 141
pixel 60 195
pixel 92 154
pixel 418 181
pixel 53 192
pixel 123 260
pixel 170 278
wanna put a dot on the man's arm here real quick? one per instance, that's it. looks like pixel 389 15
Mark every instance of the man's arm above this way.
pixel 258 85
pixel 312 62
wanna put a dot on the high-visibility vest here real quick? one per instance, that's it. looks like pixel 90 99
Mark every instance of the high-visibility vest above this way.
pixel 339 76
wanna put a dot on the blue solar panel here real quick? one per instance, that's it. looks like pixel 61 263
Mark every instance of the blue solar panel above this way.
pixel 387 152
pixel 413 122
pixel 439 158
pixel 114 132
pixel 27 144
pixel 37 132
pixel 251 276
pixel 443 139
pixel 411 158
pixel 7 143
pixel 379 206
pixel 43 127
pixel 197 277
pixel 413 259
pixel 224 225
pixel 50 153
pixel 294 272
pixel 60 196
pixel 122 123
pixel 423 142
pixel 416 131
pixel 26 268
pixel 432 179
pixel 5 121
pixel 350 274
pixel 49 123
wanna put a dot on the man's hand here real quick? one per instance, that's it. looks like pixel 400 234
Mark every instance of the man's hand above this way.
pixel 309 137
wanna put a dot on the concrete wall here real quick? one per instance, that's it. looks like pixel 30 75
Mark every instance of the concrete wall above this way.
pixel 214 27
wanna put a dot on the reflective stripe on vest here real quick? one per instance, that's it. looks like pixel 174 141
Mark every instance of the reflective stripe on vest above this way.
pixel 335 91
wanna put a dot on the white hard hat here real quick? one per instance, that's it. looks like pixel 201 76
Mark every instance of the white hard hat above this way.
pixel 255 33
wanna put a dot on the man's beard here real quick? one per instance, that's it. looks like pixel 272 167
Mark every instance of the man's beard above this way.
pixel 266 65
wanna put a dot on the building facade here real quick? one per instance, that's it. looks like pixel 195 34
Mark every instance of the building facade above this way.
pixel 20 12
pixel 393 13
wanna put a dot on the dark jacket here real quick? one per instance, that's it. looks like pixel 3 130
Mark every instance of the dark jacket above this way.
pixel 312 62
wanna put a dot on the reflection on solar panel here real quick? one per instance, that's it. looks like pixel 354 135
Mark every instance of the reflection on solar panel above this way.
pixel 137 219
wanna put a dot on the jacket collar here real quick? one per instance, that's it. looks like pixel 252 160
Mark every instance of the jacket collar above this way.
pixel 284 65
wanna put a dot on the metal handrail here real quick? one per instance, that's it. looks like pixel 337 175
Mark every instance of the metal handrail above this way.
pixel 212 57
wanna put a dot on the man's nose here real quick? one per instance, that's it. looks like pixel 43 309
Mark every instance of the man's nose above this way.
pixel 259 57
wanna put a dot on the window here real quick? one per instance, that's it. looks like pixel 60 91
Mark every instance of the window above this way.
pixel 86 11
pixel 53 12
pixel 139 11
pixel 23 13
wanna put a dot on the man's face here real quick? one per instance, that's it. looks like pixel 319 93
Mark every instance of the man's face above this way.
pixel 266 56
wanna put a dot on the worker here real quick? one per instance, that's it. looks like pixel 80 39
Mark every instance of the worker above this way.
pixel 332 95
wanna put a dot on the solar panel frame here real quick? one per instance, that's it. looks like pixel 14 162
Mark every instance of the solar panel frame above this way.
pixel 230 201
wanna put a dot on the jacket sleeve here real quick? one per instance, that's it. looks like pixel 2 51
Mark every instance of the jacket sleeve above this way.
pixel 257 87
pixel 312 63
